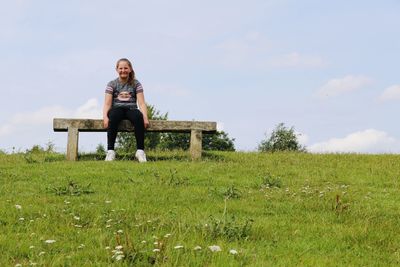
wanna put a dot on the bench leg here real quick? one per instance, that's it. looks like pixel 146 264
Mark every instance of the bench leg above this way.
pixel 195 144
pixel 72 146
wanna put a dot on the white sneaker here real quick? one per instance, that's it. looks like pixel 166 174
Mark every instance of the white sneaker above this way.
pixel 110 155
pixel 141 156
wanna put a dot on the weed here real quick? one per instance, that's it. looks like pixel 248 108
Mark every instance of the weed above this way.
pixel 271 181
pixel 232 192
pixel 172 180
pixel 228 227
pixel 72 189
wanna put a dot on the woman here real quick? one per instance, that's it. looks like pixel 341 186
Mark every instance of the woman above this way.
pixel 123 95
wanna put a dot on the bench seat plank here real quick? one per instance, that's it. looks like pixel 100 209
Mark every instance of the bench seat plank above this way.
pixel 96 125
pixel 74 126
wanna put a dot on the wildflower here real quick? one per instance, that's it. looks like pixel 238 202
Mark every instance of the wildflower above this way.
pixel 18 207
pixel 155 243
pixel 31 247
pixel 107 248
pixel 18 265
pixel 178 247
pixel 119 257
pixel 32 263
pixel 110 220
pixel 31 221
pixel 21 219
pixel 118 247
pixel 108 226
pixel 120 231
pixel 77 218
pixel 197 248
pixel 50 241
pixel 156 250
pixel 144 242
pixel 215 248
pixel 233 252
pixel 167 235
pixel 81 246
pixel 108 201
pixel 78 226
pixel 41 253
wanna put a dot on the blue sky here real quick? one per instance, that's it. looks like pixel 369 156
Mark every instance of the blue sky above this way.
pixel 328 68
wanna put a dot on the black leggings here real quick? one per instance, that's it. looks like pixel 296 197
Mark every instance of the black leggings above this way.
pixel 116 115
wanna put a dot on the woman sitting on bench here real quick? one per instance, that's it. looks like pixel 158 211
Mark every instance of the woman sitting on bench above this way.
pixel 123 95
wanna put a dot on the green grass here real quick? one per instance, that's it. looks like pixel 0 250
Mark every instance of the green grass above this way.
pixel 282 209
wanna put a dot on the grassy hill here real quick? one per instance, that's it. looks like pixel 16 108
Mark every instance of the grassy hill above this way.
pixel 282 209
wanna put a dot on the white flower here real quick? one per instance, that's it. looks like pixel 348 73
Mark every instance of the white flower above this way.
pixel 155 243
pixel 108 201
pixel 81 246
pixel 108 226
pixel 197 248
pixel 119 257
pixel 110 220
pixel 18 207
pixel 31 247
pixel 77 218
pixel 178 247
pixel 50 241
pixel 233 252
pixel 120 231
pixel 144 242
pixel 215 248
pixel 156 250
pixel 22 219
pixel 18 265
pixel 66 202
pixel 32 263
pixel 167 235
pixel 107 247
pixel 118 247
pixel 41 253
pixel 78 226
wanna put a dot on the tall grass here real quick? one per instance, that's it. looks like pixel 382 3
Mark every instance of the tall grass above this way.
pixel 281 209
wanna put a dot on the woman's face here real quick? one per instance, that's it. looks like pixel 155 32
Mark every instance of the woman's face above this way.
pixel 123 70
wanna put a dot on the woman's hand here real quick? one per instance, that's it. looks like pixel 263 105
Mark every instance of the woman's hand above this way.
pixel 105 122
pixel 146 122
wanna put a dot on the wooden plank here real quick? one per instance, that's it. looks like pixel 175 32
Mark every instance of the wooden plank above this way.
pixel 96 125
pixel 72 145
pixel 195 144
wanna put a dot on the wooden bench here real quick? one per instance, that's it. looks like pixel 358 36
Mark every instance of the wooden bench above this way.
pixel 74 126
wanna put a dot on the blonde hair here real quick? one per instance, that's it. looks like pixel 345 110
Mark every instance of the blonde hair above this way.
pixel 132 76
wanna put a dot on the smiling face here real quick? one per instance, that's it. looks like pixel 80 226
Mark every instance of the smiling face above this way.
pixel 123 70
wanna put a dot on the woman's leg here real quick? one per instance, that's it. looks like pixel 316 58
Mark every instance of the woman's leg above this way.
pixel 115 116
pixel 136 117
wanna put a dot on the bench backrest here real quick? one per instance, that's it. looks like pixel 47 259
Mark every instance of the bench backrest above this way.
pixel 96 125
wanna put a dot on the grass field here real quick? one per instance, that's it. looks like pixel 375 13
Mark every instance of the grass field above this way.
pixel 282 209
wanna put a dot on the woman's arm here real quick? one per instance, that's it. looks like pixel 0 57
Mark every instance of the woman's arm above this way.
pixel 106 108
pixel 143 108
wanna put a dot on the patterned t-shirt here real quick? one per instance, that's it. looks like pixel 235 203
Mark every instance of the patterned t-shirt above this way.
pixel 124 94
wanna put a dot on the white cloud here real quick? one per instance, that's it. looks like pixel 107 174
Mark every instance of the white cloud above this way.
pixel 253 50
pixel 302 138
pixel 367 141
pixel 297 60
pixel 45 115
pixel 343 85
pixel 391 93
pixel 220 126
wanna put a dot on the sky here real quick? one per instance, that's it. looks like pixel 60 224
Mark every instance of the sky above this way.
pixel 327 68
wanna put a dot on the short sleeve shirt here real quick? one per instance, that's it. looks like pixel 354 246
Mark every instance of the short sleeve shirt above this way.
pixel 124 94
